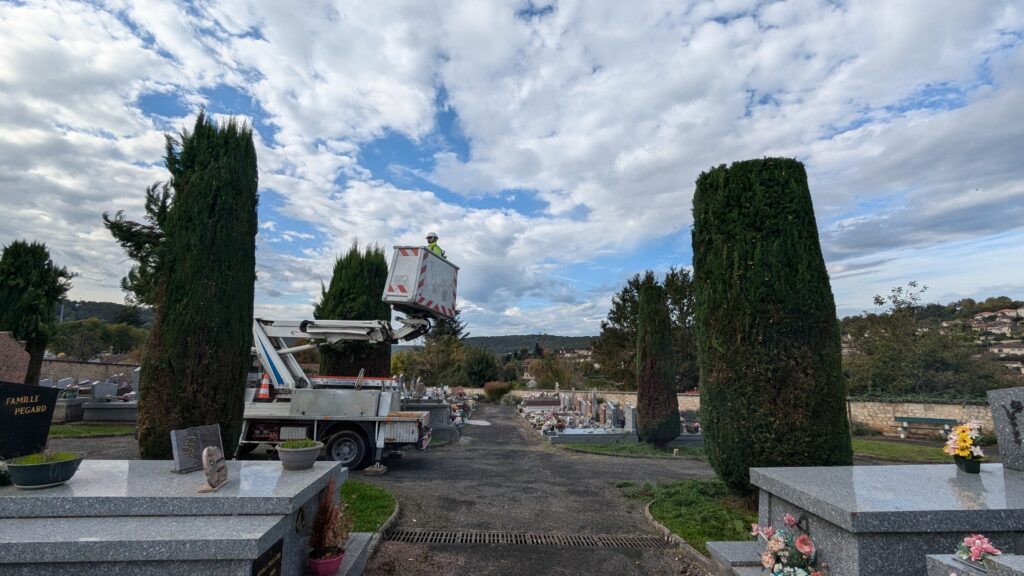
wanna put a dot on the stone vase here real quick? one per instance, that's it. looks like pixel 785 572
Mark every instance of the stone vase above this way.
pixel 326 566
pixel 299 458
pixel 969 465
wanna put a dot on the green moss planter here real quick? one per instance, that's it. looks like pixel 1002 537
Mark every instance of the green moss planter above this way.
pixel 35 471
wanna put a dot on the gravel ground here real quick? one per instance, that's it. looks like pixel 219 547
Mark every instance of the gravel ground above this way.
pixel 502 478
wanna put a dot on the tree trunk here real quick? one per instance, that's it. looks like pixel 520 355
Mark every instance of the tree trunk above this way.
pixel 36 348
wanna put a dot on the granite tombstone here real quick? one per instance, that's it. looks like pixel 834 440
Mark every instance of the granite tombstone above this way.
pixel 26 413
pixel 1007 407
pixel 187 446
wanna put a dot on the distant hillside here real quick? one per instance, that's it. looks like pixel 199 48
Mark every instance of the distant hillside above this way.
pixel 507 344
pixel 107 311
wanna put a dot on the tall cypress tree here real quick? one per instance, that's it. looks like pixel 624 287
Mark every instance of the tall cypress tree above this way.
pixel 657 406
pixel 204 270
pixel 30 286
pixel 355 293
pixel 772 390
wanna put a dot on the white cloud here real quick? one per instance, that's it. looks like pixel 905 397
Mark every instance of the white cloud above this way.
pixel 609 111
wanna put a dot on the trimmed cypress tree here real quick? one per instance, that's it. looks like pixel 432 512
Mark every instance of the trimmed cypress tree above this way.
pixel 198 352
pixel 30 287
pixel 772 389
pixel 355 293
pixel 657 411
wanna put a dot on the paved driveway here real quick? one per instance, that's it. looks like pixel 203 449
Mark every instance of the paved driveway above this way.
pixel 503 478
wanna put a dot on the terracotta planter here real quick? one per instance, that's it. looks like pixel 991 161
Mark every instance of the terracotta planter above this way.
pixel 327 566
pixel 969 465
pixel 34 476
pixel 299 458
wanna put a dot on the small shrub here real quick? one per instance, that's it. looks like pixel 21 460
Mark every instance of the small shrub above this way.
pixel 510 400
pixel 45 458
pixel 858 428
pixel 494 391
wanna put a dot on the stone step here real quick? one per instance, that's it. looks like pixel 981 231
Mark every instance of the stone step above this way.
pixel 729 555
pixel 357 554
pixel 945 564
pixel 138 538
pixel 748 571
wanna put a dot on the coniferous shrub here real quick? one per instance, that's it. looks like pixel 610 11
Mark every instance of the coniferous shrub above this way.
pixel 355 292
pixel 772 389
pixel 198 352
pixel 657 406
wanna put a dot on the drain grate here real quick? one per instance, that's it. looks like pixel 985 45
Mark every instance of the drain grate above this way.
pixel 584 541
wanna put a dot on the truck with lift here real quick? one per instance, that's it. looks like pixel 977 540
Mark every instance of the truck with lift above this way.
pixel 357 418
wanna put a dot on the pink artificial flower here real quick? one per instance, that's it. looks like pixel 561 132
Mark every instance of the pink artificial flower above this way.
pixel 767 560
pixel 789 520
pixel 975 553
pixel 768 532
pixel 804 545
pixel 755 529
pixel 776 544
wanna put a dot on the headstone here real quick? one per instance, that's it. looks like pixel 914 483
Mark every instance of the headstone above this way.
pixel 13 358
pixel 630 418
pixel 187 446
pixel 135 379
pixel 100 391
pixel 1007 406
pixel 26 413
pixel 593 404
pixel 602 414
pixel 215 468
pixel 65 382
pixel 46 382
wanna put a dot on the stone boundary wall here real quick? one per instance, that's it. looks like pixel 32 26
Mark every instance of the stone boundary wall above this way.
pixel 877 415
pixel 56 369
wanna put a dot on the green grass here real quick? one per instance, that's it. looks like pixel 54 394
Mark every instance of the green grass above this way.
pixel 697 511
pixel 45 458
pixel 899 451
pixel 85 430
pixel 638 449
pixel 437 443
pixel 296 444
pixel 369 505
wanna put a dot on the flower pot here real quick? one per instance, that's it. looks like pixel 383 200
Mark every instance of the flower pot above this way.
pixel 299 458
pixel 969 465
pixel 326 566
pixel 34 476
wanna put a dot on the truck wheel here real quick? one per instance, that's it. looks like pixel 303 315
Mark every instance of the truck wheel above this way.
pixel 347 447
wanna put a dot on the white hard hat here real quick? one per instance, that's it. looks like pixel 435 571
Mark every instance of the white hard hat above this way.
pixel 431 234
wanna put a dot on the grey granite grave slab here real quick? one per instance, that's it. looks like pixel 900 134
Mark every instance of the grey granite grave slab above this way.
pixel 1007 406
pixel 101 390
pixel 886 519
pixel 728 555
pixel 155 568
pixel 187 446
pixel 902 498
pixel 136 373
pixel 65 382
pixel 1005 565
pixel 110 411
pixel 149 488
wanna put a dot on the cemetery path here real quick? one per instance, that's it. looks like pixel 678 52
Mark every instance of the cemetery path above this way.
pixel 503 478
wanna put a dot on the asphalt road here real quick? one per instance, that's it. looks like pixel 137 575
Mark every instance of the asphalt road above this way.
pixel 503 478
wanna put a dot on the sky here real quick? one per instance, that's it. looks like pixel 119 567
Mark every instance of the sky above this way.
pixel 552 146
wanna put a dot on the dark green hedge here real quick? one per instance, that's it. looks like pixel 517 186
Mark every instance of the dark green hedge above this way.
pixel 772 388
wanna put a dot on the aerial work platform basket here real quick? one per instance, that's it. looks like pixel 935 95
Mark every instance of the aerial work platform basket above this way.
pixel 421 283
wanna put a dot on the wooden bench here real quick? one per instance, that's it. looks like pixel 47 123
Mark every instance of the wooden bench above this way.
pixel 907 423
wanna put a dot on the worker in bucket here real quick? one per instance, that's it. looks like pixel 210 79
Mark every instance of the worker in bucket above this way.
pixel 432 244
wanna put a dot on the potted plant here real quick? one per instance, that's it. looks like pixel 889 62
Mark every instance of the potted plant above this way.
pixel 299 454
pixel 329 534
pixel 43 470
pixel 962 446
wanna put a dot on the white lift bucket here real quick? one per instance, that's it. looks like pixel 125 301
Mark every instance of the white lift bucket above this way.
pixel 421 283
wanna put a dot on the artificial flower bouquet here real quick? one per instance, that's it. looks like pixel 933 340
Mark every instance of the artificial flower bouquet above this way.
pixel 787 552
pixel 962 441
pixel 975 548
